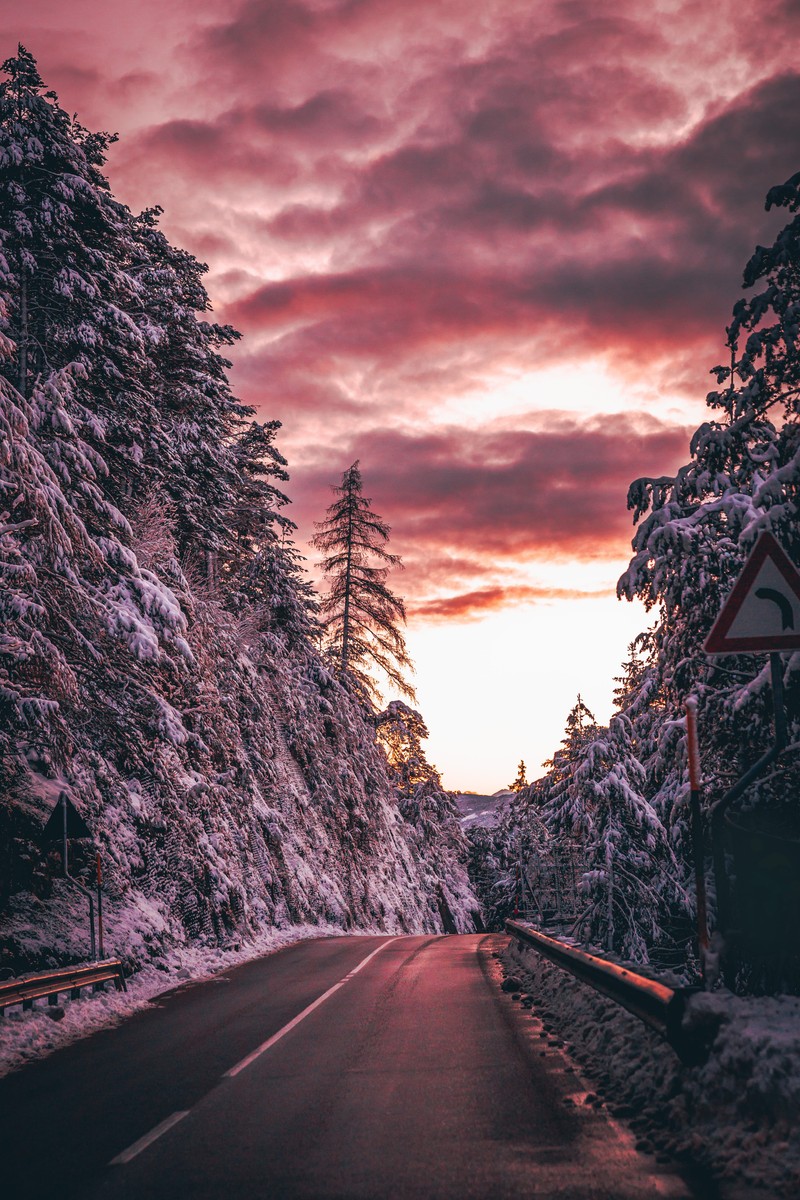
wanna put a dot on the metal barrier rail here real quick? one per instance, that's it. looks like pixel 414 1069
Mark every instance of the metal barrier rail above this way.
pixel 659 1006
pixel 70 979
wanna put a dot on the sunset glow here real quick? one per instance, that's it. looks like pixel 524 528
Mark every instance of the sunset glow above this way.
pixel 490 251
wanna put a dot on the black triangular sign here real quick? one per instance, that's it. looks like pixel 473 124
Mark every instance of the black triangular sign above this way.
pixel 76 826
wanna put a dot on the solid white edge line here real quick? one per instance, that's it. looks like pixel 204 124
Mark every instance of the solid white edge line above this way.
pixel 147 1140
pixel 276 1037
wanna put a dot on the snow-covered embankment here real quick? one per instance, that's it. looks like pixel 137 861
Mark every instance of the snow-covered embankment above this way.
pixel 737 1115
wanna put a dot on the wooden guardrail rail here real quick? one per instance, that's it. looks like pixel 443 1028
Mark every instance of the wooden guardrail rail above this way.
pixel 28 988
pixel 658 1005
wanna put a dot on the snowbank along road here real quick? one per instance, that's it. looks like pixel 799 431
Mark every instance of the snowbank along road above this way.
pixel 364 1067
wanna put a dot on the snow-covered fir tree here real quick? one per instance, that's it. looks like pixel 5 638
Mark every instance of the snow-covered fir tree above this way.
pixel 629 877
pixel 696 529
pixel 431 812
pixel 401 732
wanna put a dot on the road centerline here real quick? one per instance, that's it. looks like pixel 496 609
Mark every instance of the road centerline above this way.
pixel 147 1140
pixel 276 1037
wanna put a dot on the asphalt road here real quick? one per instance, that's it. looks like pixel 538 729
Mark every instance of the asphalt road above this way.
pixel 361 1067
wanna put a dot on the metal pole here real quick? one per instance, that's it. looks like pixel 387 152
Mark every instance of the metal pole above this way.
pixel 776 671
pixel 64 864
pixel 91 926
pixel 100 904
pixel 697 831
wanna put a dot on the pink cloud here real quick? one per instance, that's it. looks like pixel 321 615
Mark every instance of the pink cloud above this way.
pixel 399 200
pixel 469 503
pixel 476 604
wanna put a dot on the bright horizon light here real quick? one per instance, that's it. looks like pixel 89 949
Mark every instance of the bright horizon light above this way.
pixel 498 690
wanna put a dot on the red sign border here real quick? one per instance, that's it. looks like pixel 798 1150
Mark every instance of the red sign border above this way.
pixel 717 640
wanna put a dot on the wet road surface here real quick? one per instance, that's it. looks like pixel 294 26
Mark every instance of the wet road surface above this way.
pixel 358 1067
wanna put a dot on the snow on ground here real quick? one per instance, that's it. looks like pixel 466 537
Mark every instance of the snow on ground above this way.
pixel 25 1036
pixel 737 1116
pixel 481 810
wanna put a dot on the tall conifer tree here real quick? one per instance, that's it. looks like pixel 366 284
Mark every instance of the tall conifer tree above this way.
pixel 361 615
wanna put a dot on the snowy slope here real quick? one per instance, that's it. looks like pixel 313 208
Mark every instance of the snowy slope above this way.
pixel 481 810
pixel 286 816
pixel 735 1115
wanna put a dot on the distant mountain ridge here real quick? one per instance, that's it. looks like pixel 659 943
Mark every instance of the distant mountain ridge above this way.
pixel 482 810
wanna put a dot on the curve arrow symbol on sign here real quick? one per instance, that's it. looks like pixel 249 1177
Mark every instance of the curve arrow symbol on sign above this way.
pixel 787 616
pixel 747 625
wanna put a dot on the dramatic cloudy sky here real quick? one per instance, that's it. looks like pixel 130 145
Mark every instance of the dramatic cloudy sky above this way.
pixel 488 247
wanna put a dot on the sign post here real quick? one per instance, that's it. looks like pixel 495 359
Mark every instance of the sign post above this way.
pixel 99 864
pixel 760 616
pixel 65 822
pixel 697 832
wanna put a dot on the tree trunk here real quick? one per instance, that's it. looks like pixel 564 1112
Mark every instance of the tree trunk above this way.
pixel 346 614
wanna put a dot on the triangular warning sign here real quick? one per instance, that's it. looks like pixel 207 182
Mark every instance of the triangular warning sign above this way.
pixel 762 613
pixel 76 826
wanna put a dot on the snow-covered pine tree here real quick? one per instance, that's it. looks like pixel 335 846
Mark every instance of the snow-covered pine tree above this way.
pixel 580 728
pixel 258 514
pixel 267 573
pixel 284 602
pixel 519 844
pixel 401 732
pixel 67 253
pixel 630 878
pixel 655 740
pixel 32 511
pixel 361 615
pixel 203 451
pixel 695 530
pixel 431 814
pixel 564 808
pixel 73 365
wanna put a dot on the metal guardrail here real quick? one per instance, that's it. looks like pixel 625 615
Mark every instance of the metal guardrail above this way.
pixel 70 979
pixel 659 1006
